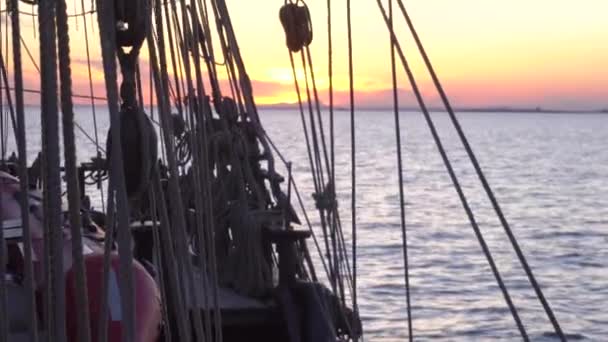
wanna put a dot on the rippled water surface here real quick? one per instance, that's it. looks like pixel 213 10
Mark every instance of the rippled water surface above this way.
pixel 550 175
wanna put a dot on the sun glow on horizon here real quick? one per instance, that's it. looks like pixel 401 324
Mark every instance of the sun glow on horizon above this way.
pixel 519 53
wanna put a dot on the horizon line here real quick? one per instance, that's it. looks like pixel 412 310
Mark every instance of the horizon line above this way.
pixel 494 108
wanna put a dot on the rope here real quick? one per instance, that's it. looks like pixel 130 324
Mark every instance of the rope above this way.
pixel 161 81
pixel 324 196
pixel 207 45
pixel 76 19
pixel 316 182
pixel 106 21
pixel 20 138
pixel 199 331
pixel 343 251
pixel 325 312
pixel 176 71
pixel 177 34
pixel 482 178
pixel 453 177
pixel 3 69
pixel 304 212
pixel 83 14
pixel 176 292
pixel 401 181
pixel 245 84
pixel 230 67
pixel 334 216
pixel 207 235
pixel 50 140
pixel 319 172
pixel 82 130
pixel 92 94
pixel 256 133
pixel 108 243
pixel 33 11
pixel 29 54
pixel 36 91
pixel 317 169
pixel 46 241
pixel 331 210
pixel 160 269
pixel 8 96
pixel 203 202
pixel 330 65
pixel 3 291
pixel 6 61
pixel 71 172
pixel 3 135
pixel 353 159
pixel 91 97
pixel 318 111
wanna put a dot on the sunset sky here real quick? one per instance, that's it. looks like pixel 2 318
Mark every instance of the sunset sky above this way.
pixel 518 53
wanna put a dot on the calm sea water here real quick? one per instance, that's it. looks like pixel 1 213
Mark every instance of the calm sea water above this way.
pixel 548 171
pixel 550 174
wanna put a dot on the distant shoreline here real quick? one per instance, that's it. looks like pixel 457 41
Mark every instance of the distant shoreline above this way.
pixel 432 109
pixel 287 106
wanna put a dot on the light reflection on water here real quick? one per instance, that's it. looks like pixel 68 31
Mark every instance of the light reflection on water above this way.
pixel 550 174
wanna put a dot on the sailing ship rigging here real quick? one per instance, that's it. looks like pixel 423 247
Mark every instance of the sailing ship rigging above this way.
pixel 198 237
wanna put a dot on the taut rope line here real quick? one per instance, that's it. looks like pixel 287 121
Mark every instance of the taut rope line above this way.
pixel 401 181
pixel 482 178
pixel 453 177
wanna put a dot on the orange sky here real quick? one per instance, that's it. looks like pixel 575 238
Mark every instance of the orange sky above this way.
pixel 521 53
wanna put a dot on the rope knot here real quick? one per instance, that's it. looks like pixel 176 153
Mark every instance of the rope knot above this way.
pixel 326 200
